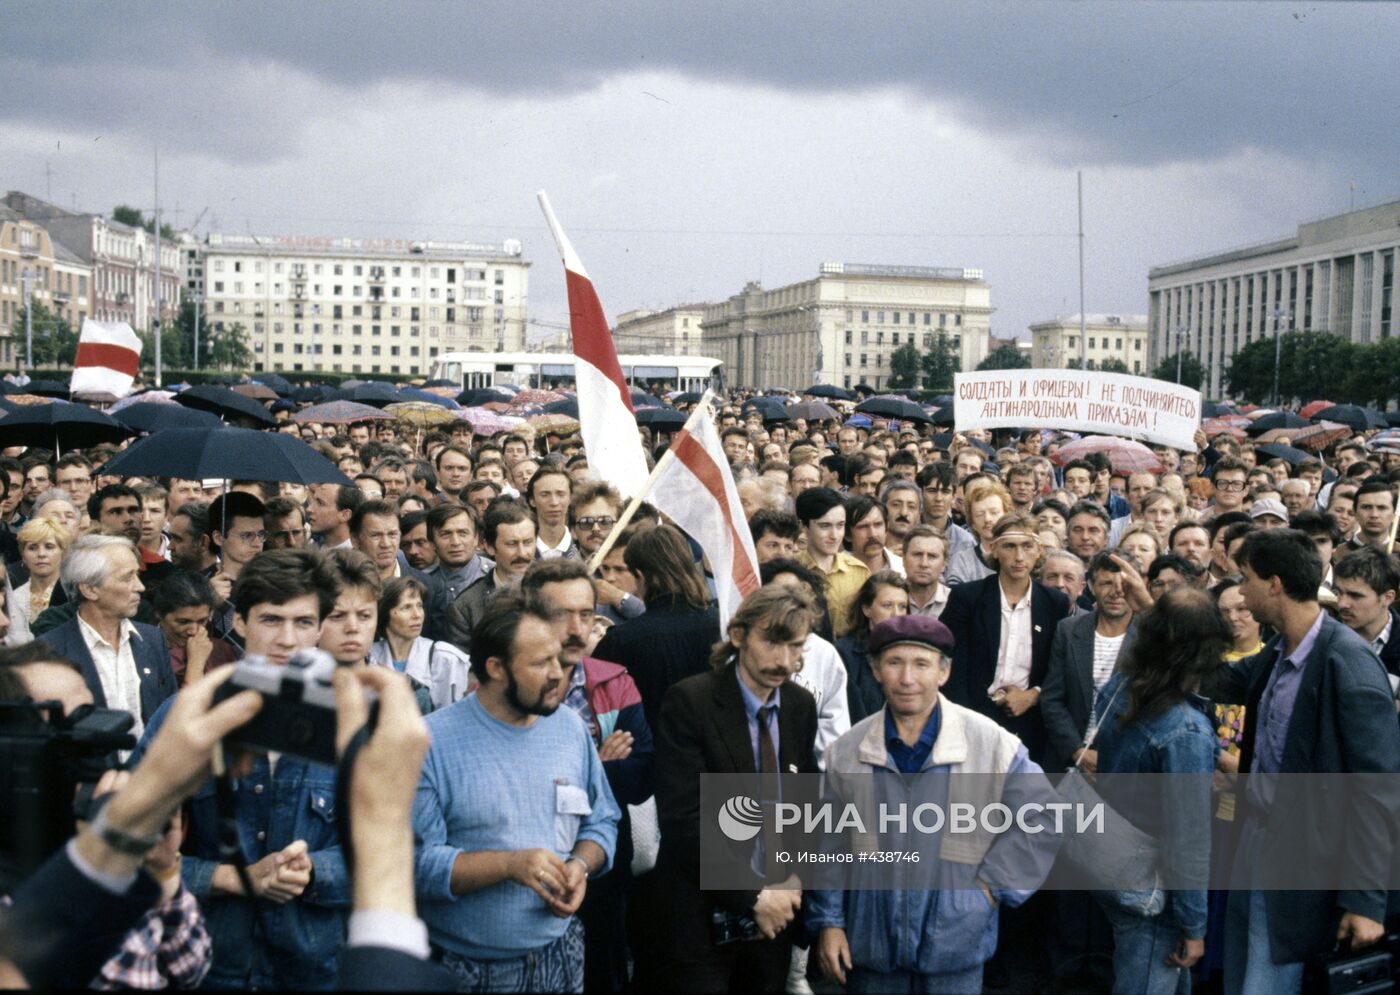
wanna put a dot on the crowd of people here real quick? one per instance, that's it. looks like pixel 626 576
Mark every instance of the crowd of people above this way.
pixel 526 815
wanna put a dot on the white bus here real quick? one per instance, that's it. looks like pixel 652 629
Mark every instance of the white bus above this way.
pixel 550 369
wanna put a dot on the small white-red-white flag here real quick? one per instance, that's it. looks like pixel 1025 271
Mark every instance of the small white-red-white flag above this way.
pixel 109 353
pixel 605 416
pixel 696 490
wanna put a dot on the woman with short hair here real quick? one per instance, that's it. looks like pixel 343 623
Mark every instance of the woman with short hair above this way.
pixel 42 543
pixel 438 667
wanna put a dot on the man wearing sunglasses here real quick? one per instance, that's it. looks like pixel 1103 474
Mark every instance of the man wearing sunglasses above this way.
pixel 593 512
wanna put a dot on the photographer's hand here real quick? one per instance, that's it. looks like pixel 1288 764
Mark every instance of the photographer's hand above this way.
pixel 383 784
pixel 176 764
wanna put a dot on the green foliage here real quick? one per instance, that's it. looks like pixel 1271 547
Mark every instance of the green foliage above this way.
pixel 1114 365
pixel 904 367
pixel 1005 357
pixel 131 216
pixel 1315 365
pixel 940 364
pixel 1193 373
pixel 55 341
pixel 229 349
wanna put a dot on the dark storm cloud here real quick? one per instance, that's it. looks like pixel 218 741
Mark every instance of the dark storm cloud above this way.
pixel 1135 84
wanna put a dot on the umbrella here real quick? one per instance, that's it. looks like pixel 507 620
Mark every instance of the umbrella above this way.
pixel 641 399
pixel 864 388
pixel 1216 409
pixel 1313 407
pixel 1123 454
pixel 768 408
pixel 224 403
pixel 276 382
pixel 890 406
pixel 478 396
pixel 59 426
pixel 28 400
pixel 567 407
pixel 688 397
pixel 226 453
pixel 484 422
pixel 420 414
pixel 812 411
pixel 448 392
pixel 256 391
pixel 857 421
pixel 1392 417
pixel 1275 419
pixel 1218 426
pixel 145 397
pixel 157 416
pixel 532 395
pixel 943 416
pixel 47 388
pixel 1292 456
pixel 1354 415
pixel 560 424
pixel 312 395
pixel 378 395
pixel 666 418
pixel 1315 437
pixel 443 382
pixel 828 390
pixel 424 397
pixel 340 413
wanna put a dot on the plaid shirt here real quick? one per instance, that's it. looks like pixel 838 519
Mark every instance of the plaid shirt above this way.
pixel 169 947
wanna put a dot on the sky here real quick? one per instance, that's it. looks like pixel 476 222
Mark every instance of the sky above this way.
pixel 688 148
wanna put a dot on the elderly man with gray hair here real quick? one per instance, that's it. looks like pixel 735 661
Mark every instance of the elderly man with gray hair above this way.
pixel 125 663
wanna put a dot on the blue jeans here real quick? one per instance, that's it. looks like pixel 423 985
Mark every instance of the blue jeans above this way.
pixel 861 981
pixel 1141 945
pixel 555 967
pixel 1249 963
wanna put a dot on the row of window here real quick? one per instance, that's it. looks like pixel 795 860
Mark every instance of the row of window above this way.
pixel 338 290
pixel 337 350
pixel 909 316
pixel 298 271
pixel 895 339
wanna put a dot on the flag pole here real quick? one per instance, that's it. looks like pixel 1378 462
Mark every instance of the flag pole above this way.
pixel 701 410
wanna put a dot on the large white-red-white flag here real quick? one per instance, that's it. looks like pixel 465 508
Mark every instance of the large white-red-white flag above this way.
pixel 605 416
pixel 696 490
pixel 109 353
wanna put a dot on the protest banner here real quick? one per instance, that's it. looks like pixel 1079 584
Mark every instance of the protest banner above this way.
pixel 1083 401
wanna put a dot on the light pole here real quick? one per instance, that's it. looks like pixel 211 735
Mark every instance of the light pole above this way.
pixel 315 317
pixel 27 279
pixel 1180 329
pixel 1280 316
pixel 196 299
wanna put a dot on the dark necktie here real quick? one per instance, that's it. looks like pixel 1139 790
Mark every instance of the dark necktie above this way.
pixel 768 788
pixel 767 756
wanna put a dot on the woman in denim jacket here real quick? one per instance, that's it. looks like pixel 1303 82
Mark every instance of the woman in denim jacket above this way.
pixel 1153 721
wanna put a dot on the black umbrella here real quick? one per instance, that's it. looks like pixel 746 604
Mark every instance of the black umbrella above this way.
pixel 1276 419
pixel 148 416
pixel 414 394
pixel 641 399
pixel 377 394
pixel 568 406
pixel 768 408
pixel 477 396
pixel 224 403
pixel 47 388
pixel 667 418
pixel 275 382
pixel 893 407
pixel 59 426
pixel 943 416
pixel 828 390
pixel 312 395
pixel 225 453
pixel 689 397
pixel 943 400
pixel 1352 415
pixel 1392 417
pixel 1214 409
pixel 440 382
pixel 1287 453
pixel 812 410
pixel 864 388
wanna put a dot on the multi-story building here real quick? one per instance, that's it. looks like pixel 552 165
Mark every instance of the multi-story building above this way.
pixel 121 258
pixel 346 305
pixel 673 332
pixel 842 327
pixel 1055 343
pixel 36 268
pixel 1336 274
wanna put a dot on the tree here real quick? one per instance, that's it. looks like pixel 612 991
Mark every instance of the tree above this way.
pixel 1311 365
pixel 175 342
pixel 1114 365
pixel 1193 374
pixel 228 348
pixel 55 341
pixel 940 363
pixel 904 367
pixel 1005 357
pixel 132 217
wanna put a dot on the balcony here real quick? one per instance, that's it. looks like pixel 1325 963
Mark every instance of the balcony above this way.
pixel 298 274
pixel 376 274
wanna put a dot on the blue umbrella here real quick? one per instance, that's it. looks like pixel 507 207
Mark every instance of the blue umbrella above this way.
pixel 226 453
pixel 150 416
pixel 414 394
pixel 376 394
pixel 568 406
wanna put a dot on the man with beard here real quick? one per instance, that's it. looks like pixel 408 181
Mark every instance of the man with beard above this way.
pixel 1191 541
pixel 514 813
pixel 865 534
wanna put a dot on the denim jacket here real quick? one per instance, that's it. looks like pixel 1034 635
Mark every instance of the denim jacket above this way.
pixel 295 945
pixel 1179 740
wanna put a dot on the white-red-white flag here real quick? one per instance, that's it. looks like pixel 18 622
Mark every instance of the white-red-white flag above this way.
pixel 696 490
pixel 109 353
pixel 605 416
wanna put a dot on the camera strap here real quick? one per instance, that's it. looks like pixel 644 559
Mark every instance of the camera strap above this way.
pixel 230 846
pixel 344 773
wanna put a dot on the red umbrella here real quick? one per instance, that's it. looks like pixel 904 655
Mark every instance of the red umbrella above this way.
pixel 1219 426
pixel 1123 454
pixel 1313 407
pixel 1314 437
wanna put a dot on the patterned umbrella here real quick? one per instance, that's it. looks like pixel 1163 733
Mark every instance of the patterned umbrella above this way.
pixel 485 422
pixel 561 424
pixel 421 414
pixel 534 396
pixel 146 397
pixel 1123 454
pixel 1219 426
pixel 340 413
pixel 1314 437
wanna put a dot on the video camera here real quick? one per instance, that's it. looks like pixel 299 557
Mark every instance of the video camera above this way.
pixel 298 712
pixel 49 765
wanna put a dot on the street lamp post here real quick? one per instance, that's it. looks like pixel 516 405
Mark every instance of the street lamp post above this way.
pixel 27 279
pixel 1280 316
pixel 196 299
pixel 1180 329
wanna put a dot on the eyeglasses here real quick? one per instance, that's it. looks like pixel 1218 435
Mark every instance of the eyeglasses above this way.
pixel 588 524
pixel 1229 485
pixel 250 536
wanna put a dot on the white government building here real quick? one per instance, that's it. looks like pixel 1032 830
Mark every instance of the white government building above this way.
pixel 841 327
pixel 1336 274
pixel 358 305
pixel 1055 343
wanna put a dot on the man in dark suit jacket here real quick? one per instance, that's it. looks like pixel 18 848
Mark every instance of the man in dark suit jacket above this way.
pixel 1319 682
pixel 713 723
pixel 1010 607
pixel 102 575
pixel 1067 696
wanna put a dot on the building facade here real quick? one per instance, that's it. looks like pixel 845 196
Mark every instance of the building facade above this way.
pixel 121 260
pixel 34 267
pixel 1336 274
pixel 673 332
pixel 1055 343
pixel 842 327
pixel 343 305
